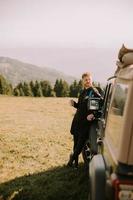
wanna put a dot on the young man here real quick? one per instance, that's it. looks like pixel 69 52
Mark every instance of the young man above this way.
pixel 82 119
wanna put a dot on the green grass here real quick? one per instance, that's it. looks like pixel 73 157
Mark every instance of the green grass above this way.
pixel 60 183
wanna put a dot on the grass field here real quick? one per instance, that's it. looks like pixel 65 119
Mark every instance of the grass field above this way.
pixel 35 143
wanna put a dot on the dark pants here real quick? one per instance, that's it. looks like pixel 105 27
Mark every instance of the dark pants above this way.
pixel 75 140
pixel 79 142
pixel 89 132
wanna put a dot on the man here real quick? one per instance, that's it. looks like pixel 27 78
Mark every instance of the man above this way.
pixel 82 119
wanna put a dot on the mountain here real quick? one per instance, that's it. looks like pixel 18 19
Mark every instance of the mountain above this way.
pixel 16 71
pixel 101 62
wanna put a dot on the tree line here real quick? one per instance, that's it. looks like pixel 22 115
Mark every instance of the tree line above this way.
pixel 42 88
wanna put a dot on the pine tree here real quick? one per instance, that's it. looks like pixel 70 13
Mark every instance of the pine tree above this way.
pixel 37 89
pixel 53 94
pixel 16 92
pixel 56 88
pixel 65 89
pixel 27 89
pixel 5 87
pixel 10 89
pixel 74 89
pixel 80 87
pixel 21 92
pixel 61 88
pixel 20 87
pixel 46 88
pixel 32 86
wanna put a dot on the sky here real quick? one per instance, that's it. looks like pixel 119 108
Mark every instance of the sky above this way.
pixel 63 24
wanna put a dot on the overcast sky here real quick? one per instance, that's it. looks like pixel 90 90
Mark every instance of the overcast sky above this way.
pixel 65 23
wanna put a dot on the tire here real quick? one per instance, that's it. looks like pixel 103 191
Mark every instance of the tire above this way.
pixel 86 156
pixel 100 146
pixel 97 178
pixel 93 137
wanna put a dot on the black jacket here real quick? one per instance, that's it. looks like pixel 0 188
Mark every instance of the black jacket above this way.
pixel 80 122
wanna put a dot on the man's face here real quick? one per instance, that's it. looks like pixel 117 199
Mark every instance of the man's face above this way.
pixel 87 81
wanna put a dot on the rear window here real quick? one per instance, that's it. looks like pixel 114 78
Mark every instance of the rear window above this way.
pixel 116 117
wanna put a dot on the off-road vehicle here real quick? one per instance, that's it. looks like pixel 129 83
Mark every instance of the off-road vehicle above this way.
pixel 111 172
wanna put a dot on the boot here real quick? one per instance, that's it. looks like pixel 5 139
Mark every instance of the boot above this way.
pixel 76 163
pixel 70 162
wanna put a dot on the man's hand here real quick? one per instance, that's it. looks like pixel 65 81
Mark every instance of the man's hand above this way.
pixel 90 117
pixel 71 102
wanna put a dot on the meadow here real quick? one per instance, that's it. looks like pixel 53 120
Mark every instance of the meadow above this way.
pixel 35 143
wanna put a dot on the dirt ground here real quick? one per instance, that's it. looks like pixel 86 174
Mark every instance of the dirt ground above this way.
pixel 34 135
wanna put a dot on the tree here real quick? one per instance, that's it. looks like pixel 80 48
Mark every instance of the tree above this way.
pixel 65 89
pixel 61 88
pixel 74 89
pixel 16 92
pixel 37 89
pixel 5 87
pixel 20 87
pixel 10 90
pixel 32 86
pixel 53 94
pixel 27 89
pixel 80 87
pixel 56 88
pixel 46 88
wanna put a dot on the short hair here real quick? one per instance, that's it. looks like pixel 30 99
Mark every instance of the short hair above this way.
pixel 86 74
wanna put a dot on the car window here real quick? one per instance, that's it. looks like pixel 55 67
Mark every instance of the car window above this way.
pixel 115 117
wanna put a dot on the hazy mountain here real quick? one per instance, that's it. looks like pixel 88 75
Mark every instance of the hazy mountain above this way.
pixel 16 71
pixel 73 61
